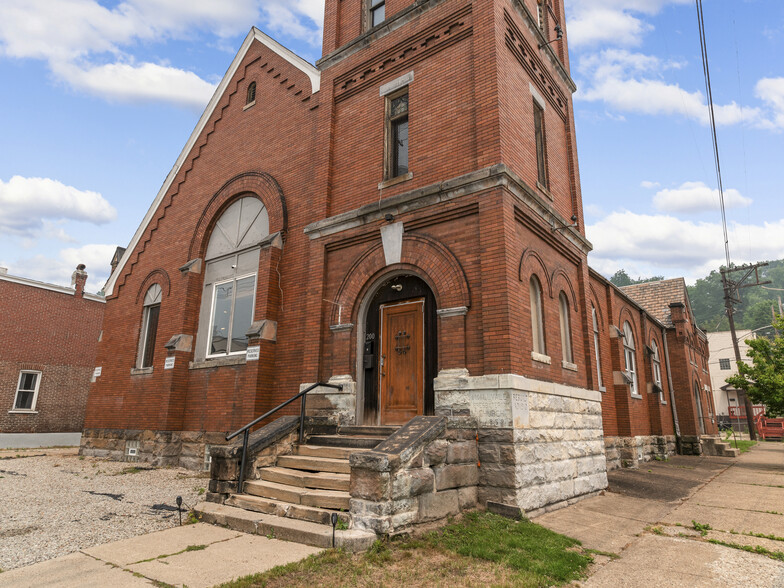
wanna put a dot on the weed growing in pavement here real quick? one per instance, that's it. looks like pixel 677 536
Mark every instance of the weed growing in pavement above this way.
pixel 192 518
pixel 777 555
pixel 762 536
pixel 703 528
pixel 341 525
pixel 609 554
pixel 655 530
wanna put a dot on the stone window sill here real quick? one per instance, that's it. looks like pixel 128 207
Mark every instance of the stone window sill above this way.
pixel 637 396
pixel 249 105
pixel 395 181
pixel 544 191
pixel 217 362
pixel 141 371
pixel 567 365
pixel 541 358
pixel 602 389
pixel 22 411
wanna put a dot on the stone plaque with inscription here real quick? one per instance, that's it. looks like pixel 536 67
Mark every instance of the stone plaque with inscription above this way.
pixel 519 409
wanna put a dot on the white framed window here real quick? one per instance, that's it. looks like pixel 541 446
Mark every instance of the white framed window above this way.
pixel 376 12
pixel 596 347
pixel 396 160
pixel 150 314
pixel 629 358
pixel 566 328
pixel 230 279
pixel 27 391
pixel 537 317
pixel 656 368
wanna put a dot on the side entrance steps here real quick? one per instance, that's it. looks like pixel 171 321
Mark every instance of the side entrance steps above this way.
pixel 714 446
pixel 296 498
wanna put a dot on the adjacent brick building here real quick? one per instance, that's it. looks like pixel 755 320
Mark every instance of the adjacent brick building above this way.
pixel 50 339
pixel 403 219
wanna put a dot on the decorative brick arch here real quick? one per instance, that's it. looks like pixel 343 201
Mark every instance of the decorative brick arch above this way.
pixel 532 263
pixel 260 184
pixel 156 276
pixel 595 304
pixel 639 334
pixel 426 257
pixel 561 282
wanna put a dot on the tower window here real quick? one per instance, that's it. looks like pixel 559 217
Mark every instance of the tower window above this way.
pixel 376 12
pixel 397 134
pixel 251 97
pixel 566 328
pixel 537 319
pixel 152 309
pixel 541 146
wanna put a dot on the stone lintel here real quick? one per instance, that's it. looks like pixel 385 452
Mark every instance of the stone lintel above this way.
pixel 456 311
pixel 264 329
pixel 341 328
pixel 447 383
pixel 192 267
pixel 180 342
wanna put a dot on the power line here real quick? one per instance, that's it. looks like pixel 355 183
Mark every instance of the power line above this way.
pixel 709 91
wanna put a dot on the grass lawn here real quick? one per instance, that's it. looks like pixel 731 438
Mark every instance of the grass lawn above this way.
pixel 744 446
pixel 481 549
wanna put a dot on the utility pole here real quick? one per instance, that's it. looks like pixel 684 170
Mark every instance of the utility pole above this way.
pixel 732 289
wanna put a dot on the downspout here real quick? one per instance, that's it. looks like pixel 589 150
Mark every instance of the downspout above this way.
pixel 672 392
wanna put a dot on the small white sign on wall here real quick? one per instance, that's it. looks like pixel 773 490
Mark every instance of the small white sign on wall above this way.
pixel 168 364
pixel 253 353
pixel 97 372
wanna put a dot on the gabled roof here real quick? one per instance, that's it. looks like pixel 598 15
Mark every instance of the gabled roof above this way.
pixel 656 297
pixel 254 35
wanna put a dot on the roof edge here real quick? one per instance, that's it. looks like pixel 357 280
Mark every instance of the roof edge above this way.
pixel 47 286
pixel 253 35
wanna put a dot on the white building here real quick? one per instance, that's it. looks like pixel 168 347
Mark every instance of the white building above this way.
pixel 722 365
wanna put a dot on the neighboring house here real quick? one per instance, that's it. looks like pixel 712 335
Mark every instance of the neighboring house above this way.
pixel 50 338
pixel 403 220
pixel 722 365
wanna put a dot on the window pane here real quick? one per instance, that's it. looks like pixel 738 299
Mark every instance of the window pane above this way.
pixel 377 15
pixel 221 318
pixel 151 329
pixel 541 157
pixel 536 315
pixel 400 146
pixel 566 337
pixel 399 106
pixel 28 381
pixel 24 400
pixel 243 313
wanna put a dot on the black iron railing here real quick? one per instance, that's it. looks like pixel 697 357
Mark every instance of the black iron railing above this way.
pixel 246 429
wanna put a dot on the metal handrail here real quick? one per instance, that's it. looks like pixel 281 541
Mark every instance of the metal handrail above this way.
pixel 246 429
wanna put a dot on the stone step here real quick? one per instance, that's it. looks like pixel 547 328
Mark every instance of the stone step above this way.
pixel 334 499
pixel 287 529
pixel 368 430
pixel 314 464
pixel 322 516
pixel 366 442
pixel 322 451
pixel 323 480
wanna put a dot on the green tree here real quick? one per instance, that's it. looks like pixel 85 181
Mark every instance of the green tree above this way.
pixel 763 379
pixel 621 279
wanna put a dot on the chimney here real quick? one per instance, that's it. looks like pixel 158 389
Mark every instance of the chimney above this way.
pixel 78 278
pixel 677 313
pixel 118 253
pixel 3 271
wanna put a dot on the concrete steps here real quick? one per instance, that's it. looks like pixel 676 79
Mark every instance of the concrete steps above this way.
pixel 356 441
pixel 334 499
pixel 314 464
pixel 320 480
pixel 322 516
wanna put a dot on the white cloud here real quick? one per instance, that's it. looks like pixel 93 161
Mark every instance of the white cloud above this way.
pixel 25 202
pixel 771 91
pixel 58 270
pixel 632 82
pixel 664 245
pixel 611 22
pixel 694 197
pixel 140 83
pixel 649 185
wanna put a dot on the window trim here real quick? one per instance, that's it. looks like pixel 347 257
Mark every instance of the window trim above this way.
pixel 250 95
pixel 596 348
pixel 33 404
pixel 565 323
pixel 540 142
pixel 370 8
pixel 538 339
pixel 231 318
pixel 656 371
pixel 144 334
pixel 630 357
pixel 390 150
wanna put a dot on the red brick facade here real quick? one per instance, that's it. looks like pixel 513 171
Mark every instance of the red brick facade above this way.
pixel 51 331
pixel 477 224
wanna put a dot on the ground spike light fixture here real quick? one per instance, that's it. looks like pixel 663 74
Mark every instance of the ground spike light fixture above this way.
pixel 179 508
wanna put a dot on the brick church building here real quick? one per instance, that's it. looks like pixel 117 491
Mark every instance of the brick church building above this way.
pixel 403 220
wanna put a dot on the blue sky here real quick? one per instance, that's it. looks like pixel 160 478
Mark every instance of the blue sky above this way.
pixel 98 98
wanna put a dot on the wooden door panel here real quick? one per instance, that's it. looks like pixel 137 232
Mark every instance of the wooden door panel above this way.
pixel 401 373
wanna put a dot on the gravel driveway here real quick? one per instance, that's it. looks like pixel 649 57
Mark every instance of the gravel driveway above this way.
pixel 53 502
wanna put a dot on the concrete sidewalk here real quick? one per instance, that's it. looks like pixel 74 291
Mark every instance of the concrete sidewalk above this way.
pixel 644 525
pixel 197 556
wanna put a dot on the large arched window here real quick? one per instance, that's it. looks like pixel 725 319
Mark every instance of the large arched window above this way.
pixel 537 318
pixel 152 308
pixel 629 357
pixel 596 347
pixel 566 329
pixel 656 368
pixel 231 268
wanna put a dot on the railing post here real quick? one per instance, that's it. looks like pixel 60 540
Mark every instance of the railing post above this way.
pixel 302 419
pixel 242 464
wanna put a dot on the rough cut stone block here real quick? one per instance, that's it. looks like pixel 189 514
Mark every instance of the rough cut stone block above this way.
pixel 505 510
pixel 409 483
pixel 488 453
pixel 462 452
pixel 403 519
pixel 369 485
pixel 438 505
pixel 467 498
pixel 380 525
pixel 498 475
pixel 436 452
pixel 496 436
pixel 456 476
pixel 222 487
pixel 371 460
pixel 224 469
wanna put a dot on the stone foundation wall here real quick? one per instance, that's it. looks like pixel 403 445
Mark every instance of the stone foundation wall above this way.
pixel 540 444
pixel 629 452
pixel 425 472
pixel 691 445
pixel 330 406
pixel 160 448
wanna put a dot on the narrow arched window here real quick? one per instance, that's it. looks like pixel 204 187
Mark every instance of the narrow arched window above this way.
pixel 656 368
pixel 596 347
pixel 629 357
pixel 537 319
pixel 566 329
pixel 251 97
pixel 232 263
pixel 152 308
